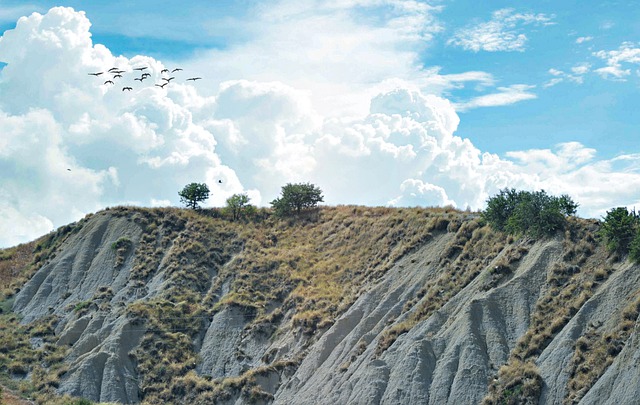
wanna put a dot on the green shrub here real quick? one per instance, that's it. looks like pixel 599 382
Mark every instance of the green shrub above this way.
pixel 295 198
pixel 535 214
pixel 634 248
pixel 122 243
pixel 238 207
pixel 618 230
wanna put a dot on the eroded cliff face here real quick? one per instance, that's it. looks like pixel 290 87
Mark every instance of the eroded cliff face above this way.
pixel 352 305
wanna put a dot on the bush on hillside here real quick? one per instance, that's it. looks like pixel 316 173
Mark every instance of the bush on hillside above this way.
pixel 238 206
pixel 536 214
pixel 619 229
pixel 295 198
pixel 634 248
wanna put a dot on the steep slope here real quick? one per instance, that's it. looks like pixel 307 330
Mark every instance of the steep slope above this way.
pixel 347 305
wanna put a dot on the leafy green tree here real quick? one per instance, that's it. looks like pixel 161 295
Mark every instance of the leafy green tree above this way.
pixel 194 193
pixel 536 214
pixel 500 207
pixel 634 248
pixel 238 206
pixel 297 197
pixel 619 229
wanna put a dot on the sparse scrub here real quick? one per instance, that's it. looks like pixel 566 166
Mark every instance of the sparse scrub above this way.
pixel 596 350
pixel 570 286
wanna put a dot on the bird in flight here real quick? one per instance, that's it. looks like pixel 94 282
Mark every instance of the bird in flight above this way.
pixel 176 70
pixel 112 69
pixel 140 68
pixel 194 78
pixel 108 82
pixel 127 88
pixel 96 74
pixel 146 75
pixel 162 85
pixel 219 181
pixel 164 70
pixel 168 79
pixel 139 78
pixel 118 75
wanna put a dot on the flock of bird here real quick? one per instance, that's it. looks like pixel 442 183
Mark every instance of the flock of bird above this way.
pixel 116 73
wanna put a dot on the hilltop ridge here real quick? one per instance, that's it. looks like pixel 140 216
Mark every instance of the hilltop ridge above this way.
pixel 343 305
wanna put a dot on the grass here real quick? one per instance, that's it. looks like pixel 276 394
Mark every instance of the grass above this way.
pixel 570 283
pixel 596 350
pixel 299 275
pixel 471 250
pixel 314 265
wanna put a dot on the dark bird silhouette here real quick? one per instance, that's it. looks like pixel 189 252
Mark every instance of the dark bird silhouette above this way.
pixel 162 85
pixel 176 70
pixel 168 79
pixel 219 181
pixel 118 71
pixel 116 76
pixel 68 170
pixel 96 74
pixel 108 82
pixel 127 88
pixel 139 78
pixel 140 68
pixel 194 78
pixel 146 75
pixel 112 69
pixel 164 70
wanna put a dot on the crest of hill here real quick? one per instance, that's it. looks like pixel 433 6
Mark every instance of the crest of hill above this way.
pixel 341 305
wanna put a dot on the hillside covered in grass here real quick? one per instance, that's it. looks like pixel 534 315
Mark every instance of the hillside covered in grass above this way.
pixel 342 304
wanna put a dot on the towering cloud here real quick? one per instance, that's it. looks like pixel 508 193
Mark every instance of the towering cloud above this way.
pixel 70 144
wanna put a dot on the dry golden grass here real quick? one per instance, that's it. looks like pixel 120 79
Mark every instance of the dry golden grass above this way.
pixel 570 284
pixel 470 251
pixel 596 350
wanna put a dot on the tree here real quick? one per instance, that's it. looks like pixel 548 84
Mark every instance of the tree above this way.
pixel 500 207
pixel 536 214
pixel 194 193
pixel 619 228
pixel 238 206
pixel 634 248
pixel 297 197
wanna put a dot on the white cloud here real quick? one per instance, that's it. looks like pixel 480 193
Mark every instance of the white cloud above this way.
pixel 72 145
pixel 627 53
pixel 581 40
pixel 576 75
pixel 505 96
pixel 581 68
pixel 502 33
pixel 553 82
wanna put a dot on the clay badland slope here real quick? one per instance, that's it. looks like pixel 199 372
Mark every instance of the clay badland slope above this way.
pixel 348 305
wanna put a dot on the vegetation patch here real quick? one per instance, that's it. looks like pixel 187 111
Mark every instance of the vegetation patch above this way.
pixel 571 283
pixel 596 350
pixel 471 251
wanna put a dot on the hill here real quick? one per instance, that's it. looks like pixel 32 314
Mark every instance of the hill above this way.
pixel 342 305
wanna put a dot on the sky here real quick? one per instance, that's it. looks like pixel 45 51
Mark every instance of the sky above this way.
pixel 377 102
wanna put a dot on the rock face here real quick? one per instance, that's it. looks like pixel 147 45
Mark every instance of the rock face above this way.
pixel 450 355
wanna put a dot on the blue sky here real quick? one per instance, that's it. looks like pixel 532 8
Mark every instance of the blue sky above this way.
pixel 379 102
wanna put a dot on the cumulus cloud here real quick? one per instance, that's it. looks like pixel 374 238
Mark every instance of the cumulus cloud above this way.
pixel 616 60
pixel 72 145
pixel 502 33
